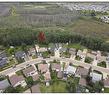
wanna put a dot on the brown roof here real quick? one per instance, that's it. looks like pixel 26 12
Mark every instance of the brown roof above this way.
pixel 35 89
pixel 106 82
pixel 82 71
pixel 14 79
pixel 35 77
pixel 82 82
pixel 28 70
pixel 47 76
pixel 60 74
pixel 43 67
pixel 56 67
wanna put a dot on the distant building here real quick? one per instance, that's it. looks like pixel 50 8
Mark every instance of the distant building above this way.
pixel 16 80
pixel 3 59
pixel 3 85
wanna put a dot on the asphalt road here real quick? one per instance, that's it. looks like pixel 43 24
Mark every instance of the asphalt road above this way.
pixel 38 60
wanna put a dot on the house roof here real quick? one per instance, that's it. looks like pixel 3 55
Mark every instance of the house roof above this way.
pixel 3 61
pixel 14 79
pixel 47 76
pixel 82 81
pixel 20 54
pixel 35 77
pixel 70 69
pixel 82 71
pixel 35 89
pixel 28 70
pixel 106 82
pixel 56 66
pixel 43 67
pixel 3 54
pixel 4 84
pixel 95 76
pixel 42 49
pixel 72 51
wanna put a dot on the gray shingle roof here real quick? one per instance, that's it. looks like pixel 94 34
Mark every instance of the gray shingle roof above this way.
pixel 4 84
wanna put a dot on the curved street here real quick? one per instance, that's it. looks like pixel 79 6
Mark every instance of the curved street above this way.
pixel 38 60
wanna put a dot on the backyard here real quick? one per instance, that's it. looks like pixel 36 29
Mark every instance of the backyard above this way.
pixel 56 87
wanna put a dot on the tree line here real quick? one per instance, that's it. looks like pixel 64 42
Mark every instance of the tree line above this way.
pixel 17 36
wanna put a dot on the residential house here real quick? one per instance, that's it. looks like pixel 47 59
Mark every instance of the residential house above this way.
pixel 81 54
pixel 72 51
pixel 106 82
pixel 3 85
pixel 3 59
pixel 30 71
pixel 16 80
pixel 81 71
pixel 20 55
pixel 70 70
pixel 43 68
pixel 32 51
pixel 35 88
pixel 47 78
pixel 82 82
pixel 95 76
pixel 35 77
pixel 56 67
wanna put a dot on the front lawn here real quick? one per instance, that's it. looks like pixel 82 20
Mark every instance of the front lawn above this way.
pixel 88 60
pixel 102 64
pixel 106 90
pixel 56 87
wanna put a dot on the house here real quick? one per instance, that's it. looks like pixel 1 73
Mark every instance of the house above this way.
pixel 106 82
pixel 43 68
pixel 47 76
pixel 35 77
pixel 81 71
pixel 30 71
pixel 72 51
pixel 32 51
pixel 35 88
pixel 20 55
pixel 95 76
pixel 3 59
pixel 82 82
pixel 56 67
pixel 16 80
pixel 3 85
pixel 70 70
pixel 81 54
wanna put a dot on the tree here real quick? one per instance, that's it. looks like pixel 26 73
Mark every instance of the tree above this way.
pixel 41 37
pixel 24 47
pixel 29 81
pixel 71 87
pixel 11 51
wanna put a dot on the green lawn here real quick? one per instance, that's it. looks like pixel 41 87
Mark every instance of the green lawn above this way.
pixel 102 64
pixel 57 87
pixel 76 46
pixel 106 90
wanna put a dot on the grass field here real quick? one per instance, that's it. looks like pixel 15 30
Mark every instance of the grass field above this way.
pixel 106 90
pixel 57 87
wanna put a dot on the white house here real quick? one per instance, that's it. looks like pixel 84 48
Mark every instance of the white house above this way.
pixel 95 76
pixel 70 70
